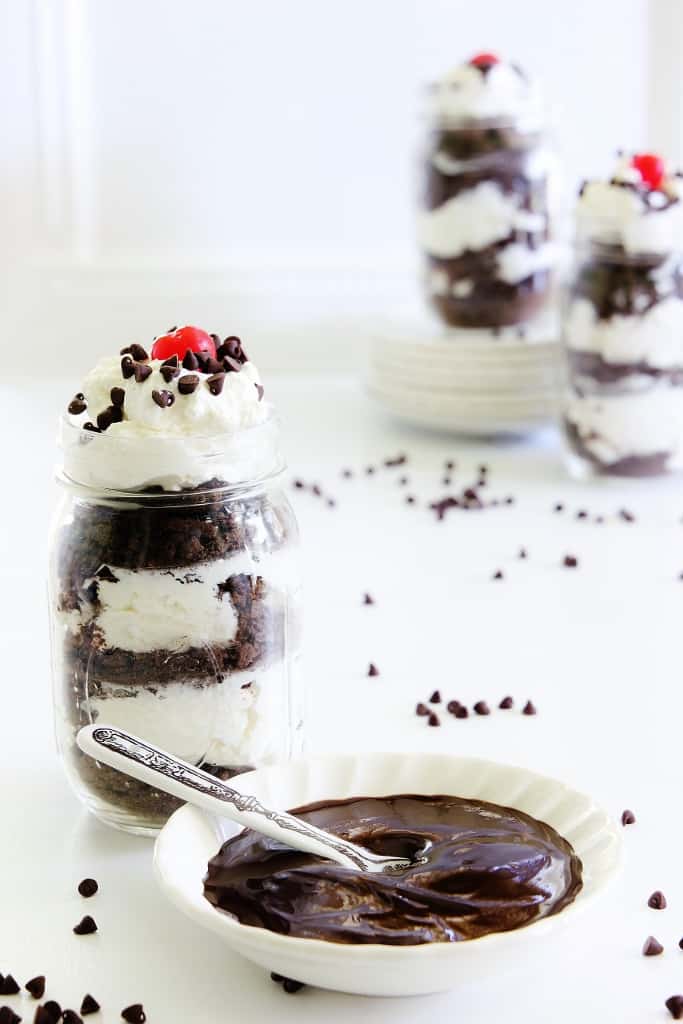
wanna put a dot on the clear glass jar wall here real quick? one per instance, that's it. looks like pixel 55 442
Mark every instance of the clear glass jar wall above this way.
pixel 486 223
pixel 175 616
pixel 622 331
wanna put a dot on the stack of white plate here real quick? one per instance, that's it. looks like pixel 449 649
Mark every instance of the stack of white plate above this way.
pixel 470 381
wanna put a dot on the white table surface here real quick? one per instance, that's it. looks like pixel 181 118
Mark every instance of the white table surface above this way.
pixel 596 648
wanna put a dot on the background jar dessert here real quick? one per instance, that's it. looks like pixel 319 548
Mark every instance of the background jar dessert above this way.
pixel 174 594
pixel 490 192
pixel 624 324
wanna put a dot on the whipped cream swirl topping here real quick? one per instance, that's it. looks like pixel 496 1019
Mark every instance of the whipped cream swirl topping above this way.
pixel 175 418
pixel 638 208
pixel 486 88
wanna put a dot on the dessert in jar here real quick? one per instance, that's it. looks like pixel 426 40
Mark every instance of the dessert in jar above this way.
pixel 490 185
pixel 623 327
pixel 174 594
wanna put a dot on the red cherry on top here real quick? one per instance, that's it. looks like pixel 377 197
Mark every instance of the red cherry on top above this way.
pixel 484 60
pixel 650 167
pixel 177 343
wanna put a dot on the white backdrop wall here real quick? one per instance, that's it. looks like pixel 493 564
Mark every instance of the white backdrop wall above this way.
pixel 252 165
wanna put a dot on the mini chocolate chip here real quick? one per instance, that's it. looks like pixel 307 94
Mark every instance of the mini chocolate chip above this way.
pixel 410 500
pixel 277 978
pixel 433 719
pixel 403 481
pixel 331 502
pixel 138 352
pixel 188 384
pixel 172 360
pixel 461 712
pixel 369 470
pixel 52 1008
pixel 559 507
pixel 105 419
pixel 599 519
pixel 373 670
pixel 453 706
pixel 9 986
pixel 89 1005
pixel 446 481
pixel 36 986
pixel 141 372
pixel 213 366
pixel 215 383
pixel 232 347
pixel 628 818
pixel 117 396
pixel 498 575
pixel 190 361
pixel 657 900
pixel 8 1016
pixel 231 365
pixel 506 704
pixel 529 708
pixel 680 943
pixel 435 697
pixel 290 986
pixel 652 947
pixel 368 599
pixel 482 708
pixel 85 927
pixel 88 887
pixel 127 367
pixel 522 553
pixel 483 469
pixel 582 514
pixel 45 1016
pixel 299 484
pixel 169 372
pixel 163 398
pixel 71 1017
pixel 317 490
pixel 260 391
pixel 570 562
pixel 449 464
pixel 347 474
pixel 421 709
pixel 76 407
pixel 674 1005
pixel 202 359
pixel 627 516
pixel 509 500
pixel 134 1014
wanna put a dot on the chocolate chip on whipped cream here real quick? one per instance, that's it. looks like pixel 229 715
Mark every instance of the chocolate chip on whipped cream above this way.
pixel 138 353
pixel 163 398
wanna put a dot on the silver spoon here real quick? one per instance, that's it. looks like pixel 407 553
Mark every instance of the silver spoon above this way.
pixel 147 763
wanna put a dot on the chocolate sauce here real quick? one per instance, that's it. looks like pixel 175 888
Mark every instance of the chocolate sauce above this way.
pixel 478 868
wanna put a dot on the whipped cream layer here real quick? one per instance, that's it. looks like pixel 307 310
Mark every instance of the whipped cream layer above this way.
pixel 475 219
pixel 175 609
pixel 654 337
pixel 502 92
pixel 617 427
pixel 625 212
pixel 196 437
pixel 238 722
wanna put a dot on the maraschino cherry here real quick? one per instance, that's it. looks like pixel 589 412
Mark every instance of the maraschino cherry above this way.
pixel 650 167
pixel 182 340
pixel 484 60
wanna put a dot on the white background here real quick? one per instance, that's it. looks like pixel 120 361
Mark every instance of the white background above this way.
pixel 253 165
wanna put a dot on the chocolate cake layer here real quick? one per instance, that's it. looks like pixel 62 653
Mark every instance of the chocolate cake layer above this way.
pixel 656 464
pixel 490 302
pixel 591 365
pixel 617 284
pixel 477 868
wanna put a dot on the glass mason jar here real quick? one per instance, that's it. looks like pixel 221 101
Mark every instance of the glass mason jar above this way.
pixel 175 612
pixel 623 335
pixel 486 224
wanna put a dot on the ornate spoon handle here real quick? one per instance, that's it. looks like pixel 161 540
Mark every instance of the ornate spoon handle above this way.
pixel 147 763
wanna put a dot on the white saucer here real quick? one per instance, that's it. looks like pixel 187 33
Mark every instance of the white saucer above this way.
pixel 191 838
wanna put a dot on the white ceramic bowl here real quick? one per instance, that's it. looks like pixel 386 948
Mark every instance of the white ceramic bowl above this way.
pixel 191 838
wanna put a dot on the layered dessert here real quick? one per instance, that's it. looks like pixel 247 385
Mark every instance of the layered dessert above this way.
pixel 485 227
pixel 174 592
pixel 477 868
pixel 624 322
